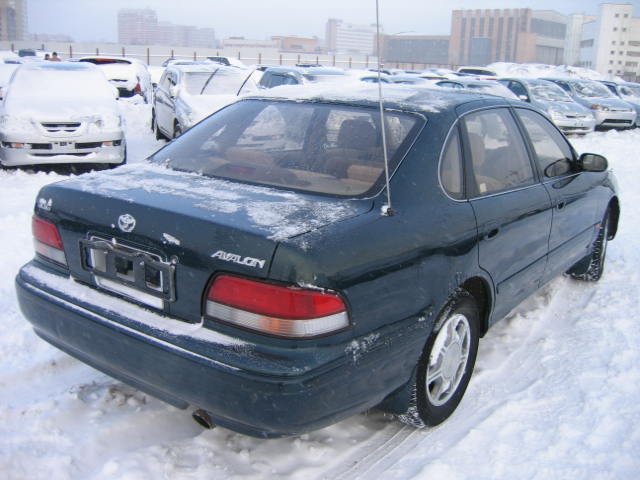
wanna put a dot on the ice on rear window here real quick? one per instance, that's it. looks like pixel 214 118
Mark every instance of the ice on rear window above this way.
pixel 331 149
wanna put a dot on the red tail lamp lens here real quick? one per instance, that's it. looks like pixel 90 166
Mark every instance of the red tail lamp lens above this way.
pixel 273 300
pixel 47 241
pixel 46 232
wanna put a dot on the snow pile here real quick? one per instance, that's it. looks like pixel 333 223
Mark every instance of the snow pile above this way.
pixel 554 395
pixel 537 70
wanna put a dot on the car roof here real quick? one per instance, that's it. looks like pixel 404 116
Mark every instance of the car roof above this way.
pixel 202 67
pixel 64 66
pixel 105 60
pixel 419 99
pixel 308 69
pixel 529 80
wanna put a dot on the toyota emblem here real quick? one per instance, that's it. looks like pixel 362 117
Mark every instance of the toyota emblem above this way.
pixel 126 222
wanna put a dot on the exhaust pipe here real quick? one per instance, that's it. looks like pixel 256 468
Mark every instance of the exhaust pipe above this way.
pixel 203 419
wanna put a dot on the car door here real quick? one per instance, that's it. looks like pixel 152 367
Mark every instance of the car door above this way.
pixel 164 102
pixel 575 195
pixel 512 209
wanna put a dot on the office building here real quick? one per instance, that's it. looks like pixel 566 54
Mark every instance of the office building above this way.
pixel 522 35
pixel 13 20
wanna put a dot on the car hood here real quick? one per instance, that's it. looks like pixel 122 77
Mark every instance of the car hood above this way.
pixel 564 107
pixel 606 101
pixel 72 109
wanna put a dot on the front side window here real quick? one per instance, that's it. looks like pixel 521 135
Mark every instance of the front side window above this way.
pixel 553 154
pixel 499 159
pixel 317 147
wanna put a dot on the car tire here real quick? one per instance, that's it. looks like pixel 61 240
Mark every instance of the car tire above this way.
pixel 177 129
pixel 446 364
pixel 591 268
pixel 159 134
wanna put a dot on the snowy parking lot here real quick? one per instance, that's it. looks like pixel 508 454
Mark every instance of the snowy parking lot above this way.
pixel 555 393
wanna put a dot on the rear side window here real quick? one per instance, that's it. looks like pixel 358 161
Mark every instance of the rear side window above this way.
pixel 499 159
pixel 323 148
pixel 553 154
pixel 451 172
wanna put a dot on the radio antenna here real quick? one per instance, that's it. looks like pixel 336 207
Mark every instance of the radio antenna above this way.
pixel 386 209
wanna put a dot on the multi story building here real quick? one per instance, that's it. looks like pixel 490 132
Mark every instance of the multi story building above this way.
pixel 344 37
pixel 13 20
pixel 521 35
pixel 611 42
pixel 572 45
pixel 137 26
pixel 297 44
pixel 425 49
pixel 141 27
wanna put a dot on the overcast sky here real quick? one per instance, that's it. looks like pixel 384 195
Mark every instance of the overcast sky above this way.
pixel 95 20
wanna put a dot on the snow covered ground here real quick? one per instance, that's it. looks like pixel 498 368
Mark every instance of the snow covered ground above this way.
pixel 555 393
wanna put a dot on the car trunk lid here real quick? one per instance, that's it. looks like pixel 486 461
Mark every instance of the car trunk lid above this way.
pixel 181 227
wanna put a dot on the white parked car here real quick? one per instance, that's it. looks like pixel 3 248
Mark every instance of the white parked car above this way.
pixel 60 113
pixel 129 75
pixel 187 94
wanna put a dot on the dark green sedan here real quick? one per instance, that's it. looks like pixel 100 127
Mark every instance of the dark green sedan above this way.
pixel 260 270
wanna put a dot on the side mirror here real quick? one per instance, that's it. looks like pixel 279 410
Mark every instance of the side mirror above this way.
pixel 592 162
pixel 524 98
pixel 173 91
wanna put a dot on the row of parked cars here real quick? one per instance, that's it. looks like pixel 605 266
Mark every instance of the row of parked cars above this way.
pixel 188 91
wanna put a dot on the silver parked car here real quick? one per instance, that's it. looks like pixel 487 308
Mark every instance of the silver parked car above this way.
pixel 627 91
pixel 60 113
pixel 129 75
pixel 187 94
pixel 490 87
pixel 610 111
pixel 568 115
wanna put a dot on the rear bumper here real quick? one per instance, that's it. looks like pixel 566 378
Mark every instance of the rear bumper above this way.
pixel 258 390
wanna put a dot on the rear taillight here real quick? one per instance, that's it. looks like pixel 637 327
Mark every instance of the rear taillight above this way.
pixel 137 90
pixel 274 309
pixel 47 241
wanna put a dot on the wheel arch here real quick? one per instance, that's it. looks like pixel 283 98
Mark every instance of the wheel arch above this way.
pixel 614 216
pixel 481 292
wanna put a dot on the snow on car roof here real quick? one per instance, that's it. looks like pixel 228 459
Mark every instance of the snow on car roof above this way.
pixel 427 99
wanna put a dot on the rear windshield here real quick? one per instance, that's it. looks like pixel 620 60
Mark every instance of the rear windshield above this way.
pixel 322 148
pixel 215 82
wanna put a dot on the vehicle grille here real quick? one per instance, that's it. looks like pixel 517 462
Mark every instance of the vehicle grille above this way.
pixel 616 120
pixel 573 115
pixel 62 127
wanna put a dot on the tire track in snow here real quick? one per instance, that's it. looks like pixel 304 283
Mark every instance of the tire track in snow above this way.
pixel 379 454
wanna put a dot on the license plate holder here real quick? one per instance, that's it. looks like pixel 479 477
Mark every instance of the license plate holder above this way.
pixel 140 275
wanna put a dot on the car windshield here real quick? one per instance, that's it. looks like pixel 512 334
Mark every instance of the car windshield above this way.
pixel 317 147
pixel 215 82
pixel 635 89
pixel 492 89
pixel 591 90
pixel 629 92
pixel 549 93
